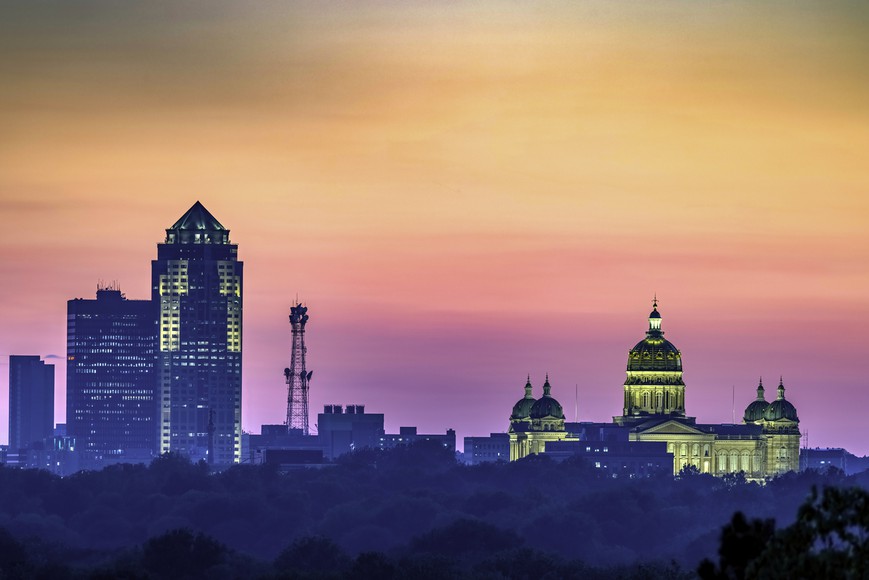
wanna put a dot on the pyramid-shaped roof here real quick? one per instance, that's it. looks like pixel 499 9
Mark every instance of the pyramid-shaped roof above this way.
pixel 198 218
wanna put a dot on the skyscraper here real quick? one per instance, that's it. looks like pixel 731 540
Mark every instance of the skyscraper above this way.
pixel 197 282
pixel 31 401
pixel 111 387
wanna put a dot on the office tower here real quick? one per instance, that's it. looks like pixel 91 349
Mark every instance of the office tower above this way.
pixel 197 282
pixel 31 401
pixel 111 388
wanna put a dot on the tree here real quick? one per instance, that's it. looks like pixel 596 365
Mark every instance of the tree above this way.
pixel 830 539
pixel 312 556
pixel 741 543
pixel 181 554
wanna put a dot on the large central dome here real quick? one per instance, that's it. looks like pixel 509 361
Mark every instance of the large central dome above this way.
pixel 654 353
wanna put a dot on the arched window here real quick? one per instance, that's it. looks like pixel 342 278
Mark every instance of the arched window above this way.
pixel 683 450
pixel 646 400
pixel 745 462
pixel 658 398
pixel 734 461
pixel 722 461
pixel 695 450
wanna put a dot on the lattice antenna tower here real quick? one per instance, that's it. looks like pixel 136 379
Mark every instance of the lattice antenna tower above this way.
pixel 297 376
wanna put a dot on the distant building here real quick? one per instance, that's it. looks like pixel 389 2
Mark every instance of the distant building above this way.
pixel 824 458
pixel 344 430
pixel 764 445
pixel 197 283
pixel 409 435
pixel 31 401
pixel 57 454
pixel 821 459
pixel 495 447
pixel 274 438
pixel 616 458
pixel 112 407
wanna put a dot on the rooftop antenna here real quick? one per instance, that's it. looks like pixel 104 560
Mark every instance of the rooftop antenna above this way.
pixel 576 404
pixel 297 376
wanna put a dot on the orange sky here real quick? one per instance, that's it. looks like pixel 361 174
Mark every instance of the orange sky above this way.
pixel 462 192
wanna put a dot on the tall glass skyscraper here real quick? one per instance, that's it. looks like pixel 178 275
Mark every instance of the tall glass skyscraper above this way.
pixel 197 282
pixel 111 387
pixel 31 401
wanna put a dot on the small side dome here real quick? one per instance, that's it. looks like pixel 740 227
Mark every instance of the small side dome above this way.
pixel 755 410
pixel 547 406
pixel 522 408
pixel 781 408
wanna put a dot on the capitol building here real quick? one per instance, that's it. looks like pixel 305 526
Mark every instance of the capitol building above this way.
pixel 765 444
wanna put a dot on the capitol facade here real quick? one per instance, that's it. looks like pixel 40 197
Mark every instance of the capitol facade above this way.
pixel 765 444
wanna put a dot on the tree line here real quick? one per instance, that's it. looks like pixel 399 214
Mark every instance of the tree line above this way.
pixel 408 512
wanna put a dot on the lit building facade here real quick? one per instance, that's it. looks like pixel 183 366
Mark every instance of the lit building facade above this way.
pixel 31 401
pixel 111 387
pixel 765 444
pixel 197 285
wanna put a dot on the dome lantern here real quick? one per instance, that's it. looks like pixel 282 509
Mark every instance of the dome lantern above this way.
pixel 655 319
pixel 756 409
pixel 546 406
pixel 522 408
pixel 781 408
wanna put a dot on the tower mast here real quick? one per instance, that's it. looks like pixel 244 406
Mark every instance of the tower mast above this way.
pixel 297 376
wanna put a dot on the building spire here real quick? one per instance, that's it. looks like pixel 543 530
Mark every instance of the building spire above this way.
pixel 781 388
pixel 546 386
pixel 655 319
pixel 760 392
pixel 528 394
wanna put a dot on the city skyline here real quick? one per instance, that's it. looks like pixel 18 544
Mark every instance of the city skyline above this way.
pixel 462 195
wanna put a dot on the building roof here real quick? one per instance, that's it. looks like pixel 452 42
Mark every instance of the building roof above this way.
pixel 781 408
pixel 522 408
pixel 725 430
pixel 198 218
pixel 546 406
pixel 654 352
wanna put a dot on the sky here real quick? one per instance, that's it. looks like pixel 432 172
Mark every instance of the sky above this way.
pixel 462 193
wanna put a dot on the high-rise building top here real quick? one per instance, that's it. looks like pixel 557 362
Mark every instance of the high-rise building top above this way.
pixel 197 283
pixel 111 388
pixel 197 226
pixel 31 401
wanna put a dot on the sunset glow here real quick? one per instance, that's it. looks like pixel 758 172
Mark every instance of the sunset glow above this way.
pixel 461 193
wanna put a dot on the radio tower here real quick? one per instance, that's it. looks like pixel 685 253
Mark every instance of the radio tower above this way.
pixel 297 376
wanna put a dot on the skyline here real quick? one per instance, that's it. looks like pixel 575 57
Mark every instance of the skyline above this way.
pixel 461 195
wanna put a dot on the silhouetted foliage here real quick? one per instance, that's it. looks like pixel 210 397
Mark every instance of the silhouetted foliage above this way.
pixel 829 539
pixel 466 536
pixel 413 511
pixel 741 543
pixel 181 554
pixel 312 557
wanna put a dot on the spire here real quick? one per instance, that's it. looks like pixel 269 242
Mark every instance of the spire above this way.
pixel 528 394
pixel 781 388
pixel 760 395
pixel 546 386
pixel 655 319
